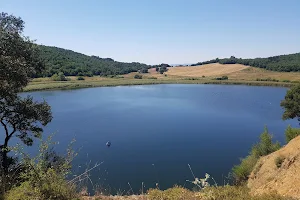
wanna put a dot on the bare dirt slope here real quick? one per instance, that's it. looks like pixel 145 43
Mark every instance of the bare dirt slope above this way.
pixel 284 179
pixel 214 69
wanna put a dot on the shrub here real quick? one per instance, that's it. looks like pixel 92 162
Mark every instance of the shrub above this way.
pixel 80 78
pixel 59 77
pixel 265 146
pixel 222 78
pixel 286 81
pixel 278 161
pixel 138 76
pixel 291 133
pixel 242 171
pixel 144 70
pixel 45 176
pixel 203 76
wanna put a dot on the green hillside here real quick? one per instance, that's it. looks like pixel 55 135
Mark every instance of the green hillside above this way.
pixel 282 63
pixel 76 64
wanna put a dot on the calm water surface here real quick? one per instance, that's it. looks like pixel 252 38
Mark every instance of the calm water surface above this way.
pixel 157 130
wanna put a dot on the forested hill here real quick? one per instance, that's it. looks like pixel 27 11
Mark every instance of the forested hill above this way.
pixel 76 64
pixel 283 63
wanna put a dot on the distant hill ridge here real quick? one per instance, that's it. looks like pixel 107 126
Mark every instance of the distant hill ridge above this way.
pixel 77 64
pixel 282 63
pixel 72 63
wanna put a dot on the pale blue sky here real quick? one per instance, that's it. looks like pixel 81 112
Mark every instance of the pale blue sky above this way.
pixel 156 31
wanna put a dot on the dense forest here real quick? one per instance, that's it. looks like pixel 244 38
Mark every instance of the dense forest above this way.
pixel 283 63
pixel 76 64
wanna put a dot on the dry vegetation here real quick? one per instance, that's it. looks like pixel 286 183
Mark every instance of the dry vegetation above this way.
pixel 279 172
pixel 252 73
pixel 233 71
pixel 211 193
pixel 210 70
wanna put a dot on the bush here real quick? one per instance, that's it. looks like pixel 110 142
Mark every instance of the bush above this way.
pixel 265 146
pixel 45 176
pixel 80 78
pixel 222 78
pixel 291 133
pixel 278 161
pixel 144 70
pixel 138 76
pixel 286 81
pixel 59 77
pixel 242 171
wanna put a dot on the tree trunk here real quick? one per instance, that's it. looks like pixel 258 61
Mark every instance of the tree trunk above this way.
pixel 4 152
pixel 4 165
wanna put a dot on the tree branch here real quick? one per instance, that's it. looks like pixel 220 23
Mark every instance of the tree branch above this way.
pixel 5 127
pixel 9 136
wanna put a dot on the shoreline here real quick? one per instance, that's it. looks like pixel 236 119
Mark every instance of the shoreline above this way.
pixel 111 82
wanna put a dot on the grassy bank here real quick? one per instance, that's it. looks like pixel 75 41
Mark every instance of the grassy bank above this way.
pixel 206 74
pixel 46 84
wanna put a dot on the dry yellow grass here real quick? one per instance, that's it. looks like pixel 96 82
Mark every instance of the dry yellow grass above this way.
pixel 233 71
pixel 283 179
pixel 252 73
pixel 214 69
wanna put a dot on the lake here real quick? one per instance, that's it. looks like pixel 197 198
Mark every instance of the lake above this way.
pixel 157 130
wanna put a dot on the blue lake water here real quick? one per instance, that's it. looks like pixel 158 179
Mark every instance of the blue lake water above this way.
pixel 157 130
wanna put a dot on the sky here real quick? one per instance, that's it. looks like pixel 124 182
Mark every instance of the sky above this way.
pixel 163 31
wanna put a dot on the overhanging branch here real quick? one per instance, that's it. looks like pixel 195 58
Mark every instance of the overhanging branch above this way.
pixel 5 127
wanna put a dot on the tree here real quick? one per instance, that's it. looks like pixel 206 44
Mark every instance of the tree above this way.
pixel 163 68
pixel 19 62
pixel 19 59
pixel 144 70
pixel 266 145
pixel 157 69
pixel 22 117
pixel 291 103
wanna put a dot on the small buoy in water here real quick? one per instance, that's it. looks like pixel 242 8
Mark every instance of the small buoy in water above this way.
pixel 108 143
